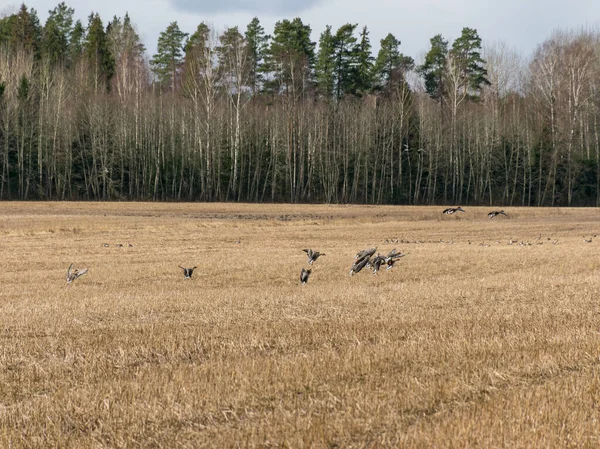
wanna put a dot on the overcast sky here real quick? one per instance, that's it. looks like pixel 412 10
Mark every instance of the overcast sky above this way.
pixel 521 24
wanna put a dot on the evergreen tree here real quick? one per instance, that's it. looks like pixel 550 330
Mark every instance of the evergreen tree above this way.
pixel 57 32
pixel 76 41
pixel 126 50
pixel 257 43
pixel 434 67
pixel 324 67
pixel 197 57
pixel 290 56
pixel 123 40
pixel 391 65
pixel 363 79
pixel 97 52
pixel 344 43
pixel 168 60
pixel 22 31
pixel 467 59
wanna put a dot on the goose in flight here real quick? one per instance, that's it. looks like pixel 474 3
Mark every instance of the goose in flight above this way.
pixel 304 274
pixel 360 264
pixel 366 253
pixel 187 272
pixel 377 262
pixel 73 274
pixel 392 258
pixel 451 210
pixel 312 255
pixel 493 213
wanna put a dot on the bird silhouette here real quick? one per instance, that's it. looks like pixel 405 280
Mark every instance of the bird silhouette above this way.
pixel 187 272
pixel 304 274
pixel 312 255
pixel 73 274
pixel 494 213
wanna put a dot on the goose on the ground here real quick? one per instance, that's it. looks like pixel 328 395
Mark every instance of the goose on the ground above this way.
pixel 304 274
pixel 187 272
pixel 312 255
pixel 73 274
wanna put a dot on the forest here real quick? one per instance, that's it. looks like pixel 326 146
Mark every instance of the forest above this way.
pixel 255 115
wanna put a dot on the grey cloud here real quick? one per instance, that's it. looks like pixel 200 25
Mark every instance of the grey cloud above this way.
pixel 278 7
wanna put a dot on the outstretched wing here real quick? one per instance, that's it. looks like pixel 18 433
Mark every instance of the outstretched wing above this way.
pixel 81 273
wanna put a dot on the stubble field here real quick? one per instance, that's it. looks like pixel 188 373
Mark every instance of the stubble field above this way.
pixel 473 343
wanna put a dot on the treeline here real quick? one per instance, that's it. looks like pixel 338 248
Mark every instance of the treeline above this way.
pixel 240 115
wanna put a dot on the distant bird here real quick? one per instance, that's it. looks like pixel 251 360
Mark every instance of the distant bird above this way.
pixel 73 274
pixel 106 245
pixel 304 274
pixel 187 272
pixel 238 241
pixel 312 255
pixel 364 253
pixel 587 240
pixel 451 210
pixel 130 245
pixel 119 245
pixel 493 213
pixel 359 265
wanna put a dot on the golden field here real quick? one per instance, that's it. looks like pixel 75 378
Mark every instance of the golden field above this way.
pixel 461 345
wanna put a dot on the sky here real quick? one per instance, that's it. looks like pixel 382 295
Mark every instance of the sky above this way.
pixel 520 24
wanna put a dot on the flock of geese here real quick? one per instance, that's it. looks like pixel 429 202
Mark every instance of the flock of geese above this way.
pixel 363 259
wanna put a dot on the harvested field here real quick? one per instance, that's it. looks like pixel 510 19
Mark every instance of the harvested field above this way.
pixel 468 342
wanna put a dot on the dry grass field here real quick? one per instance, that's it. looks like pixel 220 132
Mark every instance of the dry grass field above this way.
pixel 461 345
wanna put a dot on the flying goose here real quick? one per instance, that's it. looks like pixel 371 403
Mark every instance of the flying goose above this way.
pixel 377 262
pixel 187 272
pixel 304 274
pixel 74 274
pixel 359 265
pixel 392 258
pixel 364 253
pixel 493 213
pixel 312 255
pixel 451 210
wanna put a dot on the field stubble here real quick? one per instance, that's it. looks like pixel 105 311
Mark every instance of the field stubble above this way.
pixel 479 344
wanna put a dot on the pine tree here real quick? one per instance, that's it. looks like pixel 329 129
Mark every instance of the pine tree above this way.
pixel 434 67
pixel 257 44
pixel 76 42
pixel 96 50
pixel 168 60
pixel 466 57
pixel 290 56
pixel 344 43
pixel 127 51
pixel 57 32
pixel 22 31
pixel 391 65
pixel 324 67
pixel 363 79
